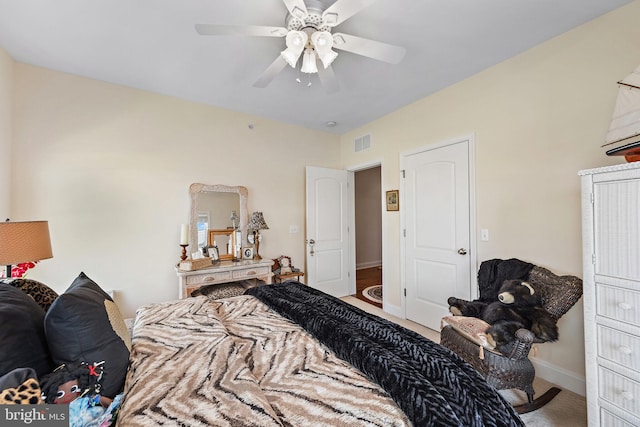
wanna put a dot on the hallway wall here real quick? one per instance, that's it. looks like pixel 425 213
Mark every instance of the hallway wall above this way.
pixel 368 214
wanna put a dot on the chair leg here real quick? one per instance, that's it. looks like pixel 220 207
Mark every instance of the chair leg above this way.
pixel 538 403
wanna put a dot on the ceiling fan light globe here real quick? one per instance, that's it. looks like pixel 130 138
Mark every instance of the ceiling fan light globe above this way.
pixel 328 58
pixel 322 39
pixel 290 56
pixel 323 42
pixel 309 62
pixel 296 39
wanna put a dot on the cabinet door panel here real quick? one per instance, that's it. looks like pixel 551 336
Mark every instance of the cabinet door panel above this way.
pixel 617 228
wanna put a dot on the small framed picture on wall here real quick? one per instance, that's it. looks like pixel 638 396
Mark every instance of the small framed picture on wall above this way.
pixel 393 200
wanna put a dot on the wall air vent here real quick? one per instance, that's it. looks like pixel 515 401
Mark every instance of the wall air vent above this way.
pixel 362 143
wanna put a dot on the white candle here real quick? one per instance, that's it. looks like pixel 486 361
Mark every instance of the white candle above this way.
pixel 184 234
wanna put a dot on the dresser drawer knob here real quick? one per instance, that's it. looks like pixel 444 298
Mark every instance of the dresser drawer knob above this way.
pixel 625 350
pixel 624 306
pixel 627 395
pixel 208 278
pixel 250 272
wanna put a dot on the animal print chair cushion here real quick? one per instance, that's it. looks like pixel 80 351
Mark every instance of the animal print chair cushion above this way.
pixel 471 327
pixel 43 295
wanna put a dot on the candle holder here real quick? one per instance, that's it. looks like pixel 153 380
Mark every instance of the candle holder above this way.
pixel 184 252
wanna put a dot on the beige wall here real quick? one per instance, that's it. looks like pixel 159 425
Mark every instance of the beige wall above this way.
pixel 6 100
pixel 110 168
pixel 538 118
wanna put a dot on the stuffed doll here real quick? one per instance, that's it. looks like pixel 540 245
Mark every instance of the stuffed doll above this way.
pixel 73 380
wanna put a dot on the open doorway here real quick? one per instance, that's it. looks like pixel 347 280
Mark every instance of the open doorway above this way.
pixel 368 235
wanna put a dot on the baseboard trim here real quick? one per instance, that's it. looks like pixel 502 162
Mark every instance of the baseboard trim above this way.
pixel 369 264
pixel 392 309
pixel 559 376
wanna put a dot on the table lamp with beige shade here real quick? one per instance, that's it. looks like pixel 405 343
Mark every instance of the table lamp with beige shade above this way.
pixel 24 241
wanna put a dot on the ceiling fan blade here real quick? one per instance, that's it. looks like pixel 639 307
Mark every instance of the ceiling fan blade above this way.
pixel 377 50
pixel 272 70
pixel 342 10
pixel 240 30
pixel 296 8
pixel 328 79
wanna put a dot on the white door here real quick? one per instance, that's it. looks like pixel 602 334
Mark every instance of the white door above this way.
pixel 437 222
pixel 327 231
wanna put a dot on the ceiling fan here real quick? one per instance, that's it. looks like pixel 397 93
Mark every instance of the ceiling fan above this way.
pixel 308 35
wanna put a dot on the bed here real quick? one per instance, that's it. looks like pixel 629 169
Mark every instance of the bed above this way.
pixel 290 355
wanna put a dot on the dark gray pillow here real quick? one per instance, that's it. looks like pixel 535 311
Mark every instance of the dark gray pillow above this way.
pixel 84 325
pixel 22 339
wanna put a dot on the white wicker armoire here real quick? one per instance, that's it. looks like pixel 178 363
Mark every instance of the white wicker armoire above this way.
pixel 611 263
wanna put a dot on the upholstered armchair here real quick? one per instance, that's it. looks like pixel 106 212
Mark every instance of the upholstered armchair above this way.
pixel 515 370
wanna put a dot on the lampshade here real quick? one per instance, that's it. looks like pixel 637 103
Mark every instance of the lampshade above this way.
pixel 323 42
pixel 296 40
pixel 24 241
pixel 309 62
pixel 257 222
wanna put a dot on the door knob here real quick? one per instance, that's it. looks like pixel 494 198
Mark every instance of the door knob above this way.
pixel 462 251
pixel 311 242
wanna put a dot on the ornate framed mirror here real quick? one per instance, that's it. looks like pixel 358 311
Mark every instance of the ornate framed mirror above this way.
pixel 212 208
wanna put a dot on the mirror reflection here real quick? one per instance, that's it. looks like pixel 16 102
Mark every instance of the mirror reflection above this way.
pixel 215 211
pixel 221 208
pixel 225 241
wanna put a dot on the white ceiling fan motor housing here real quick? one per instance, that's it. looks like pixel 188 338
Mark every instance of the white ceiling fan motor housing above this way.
pixel 312 21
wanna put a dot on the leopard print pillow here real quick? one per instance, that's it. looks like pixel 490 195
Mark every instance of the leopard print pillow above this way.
pixel 27 393
pixel 20 387
pixel 41 293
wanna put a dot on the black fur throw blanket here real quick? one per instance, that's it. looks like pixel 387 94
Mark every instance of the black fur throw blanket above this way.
pixel 494 272
pixel 432 385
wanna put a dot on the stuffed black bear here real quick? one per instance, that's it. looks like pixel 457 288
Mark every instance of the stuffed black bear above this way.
pixel 518 306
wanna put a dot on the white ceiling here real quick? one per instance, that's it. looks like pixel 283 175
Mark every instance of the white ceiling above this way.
pixel 152 45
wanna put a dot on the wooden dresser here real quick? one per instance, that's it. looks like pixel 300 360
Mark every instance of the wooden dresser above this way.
pixel 611 262
pixel 224 272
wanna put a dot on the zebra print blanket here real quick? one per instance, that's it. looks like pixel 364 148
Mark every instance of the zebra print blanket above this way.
pixel 235 362
pixel 431 384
